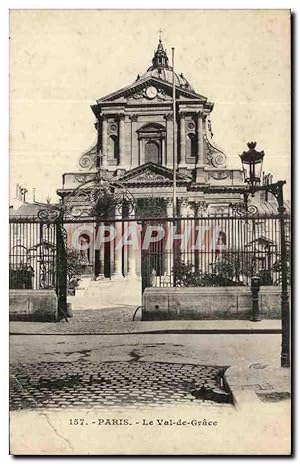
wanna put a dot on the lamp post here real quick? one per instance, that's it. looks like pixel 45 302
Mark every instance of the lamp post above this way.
pixel 252 167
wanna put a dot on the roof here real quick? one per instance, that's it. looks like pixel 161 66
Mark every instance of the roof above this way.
pixel 28 209
pixel 162 73
pixel 269 206
pixel 148 80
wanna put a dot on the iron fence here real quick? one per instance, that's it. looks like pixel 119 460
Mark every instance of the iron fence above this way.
pixel 38 256
pixel 167 252
pixel 32 255
pixel 213 251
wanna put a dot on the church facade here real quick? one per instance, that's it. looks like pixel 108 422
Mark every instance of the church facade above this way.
pixel 134 151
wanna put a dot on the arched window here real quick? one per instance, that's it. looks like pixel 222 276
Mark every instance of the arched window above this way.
pixel 191 145
pixel 113 147
pixel 152 152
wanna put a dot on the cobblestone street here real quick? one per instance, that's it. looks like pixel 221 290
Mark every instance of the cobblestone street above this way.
pixel 98 371
pixel 165 376
pixel 101 385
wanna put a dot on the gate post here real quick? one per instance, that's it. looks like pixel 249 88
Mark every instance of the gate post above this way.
pixel 285 316
pixel 61 269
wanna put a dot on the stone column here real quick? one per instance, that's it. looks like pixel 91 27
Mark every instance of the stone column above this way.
pixel 183 228
pixel 112 256
pixel 134 161
pixel 200 235
pixel 117 248
pixel 122 140
pixel 168 261
pixel 104 140
pixel 131 248
pixel 200 178
pixel 169 154
pixel 163 151
pixel 101 255
pixel 141 154
pixel 191 225
pixel 200 153
pixel 182 139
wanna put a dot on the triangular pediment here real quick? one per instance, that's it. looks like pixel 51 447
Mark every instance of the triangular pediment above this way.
pixel 138 92
pixel 151 173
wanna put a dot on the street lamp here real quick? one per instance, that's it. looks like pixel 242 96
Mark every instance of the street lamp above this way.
pixel 252 166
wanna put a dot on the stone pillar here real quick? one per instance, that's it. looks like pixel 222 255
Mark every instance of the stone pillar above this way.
pixel 112 256
pixel 125 250
pixel 131 249
pixel 101 254
pixel 169 154
pixel 117 248
pixel 104 140
pixel 122 160
pixel 168 261
pixel 134 161
pixel 163 151
pixel 200 151
pixel 183 228
pixel 191 225
pixel 141 154
pixel 200 235
pixel 182 140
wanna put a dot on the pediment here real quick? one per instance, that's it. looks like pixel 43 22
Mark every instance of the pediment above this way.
pixel 151 173
pixel 163 94
pixel 136 92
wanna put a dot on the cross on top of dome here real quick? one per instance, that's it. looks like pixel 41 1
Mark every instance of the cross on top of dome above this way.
pixel 160 58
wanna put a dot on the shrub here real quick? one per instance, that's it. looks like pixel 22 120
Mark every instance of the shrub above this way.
pixel 223 274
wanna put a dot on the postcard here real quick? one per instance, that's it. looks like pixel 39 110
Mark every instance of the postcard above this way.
pixel 149 254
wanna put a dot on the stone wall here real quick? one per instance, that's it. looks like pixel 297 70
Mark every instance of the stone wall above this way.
pixel 208 303
pixel 32 305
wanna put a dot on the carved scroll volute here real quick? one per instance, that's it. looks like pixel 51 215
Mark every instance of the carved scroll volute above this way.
pixel 88 160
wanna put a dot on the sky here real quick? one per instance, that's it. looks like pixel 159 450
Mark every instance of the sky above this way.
pixel 61 61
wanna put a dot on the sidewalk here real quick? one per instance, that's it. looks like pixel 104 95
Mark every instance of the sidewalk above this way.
pixel 118 321
pixel 258 384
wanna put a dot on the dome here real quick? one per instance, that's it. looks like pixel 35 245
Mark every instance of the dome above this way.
pixel 160 69
pixel 166 74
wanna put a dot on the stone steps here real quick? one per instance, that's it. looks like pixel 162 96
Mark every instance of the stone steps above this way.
pixel 106 293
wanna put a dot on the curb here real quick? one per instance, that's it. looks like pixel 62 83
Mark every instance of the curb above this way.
pixel 242 383
pixel 162 331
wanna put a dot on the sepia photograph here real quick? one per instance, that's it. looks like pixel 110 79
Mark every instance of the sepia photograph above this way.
pixel 150 232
